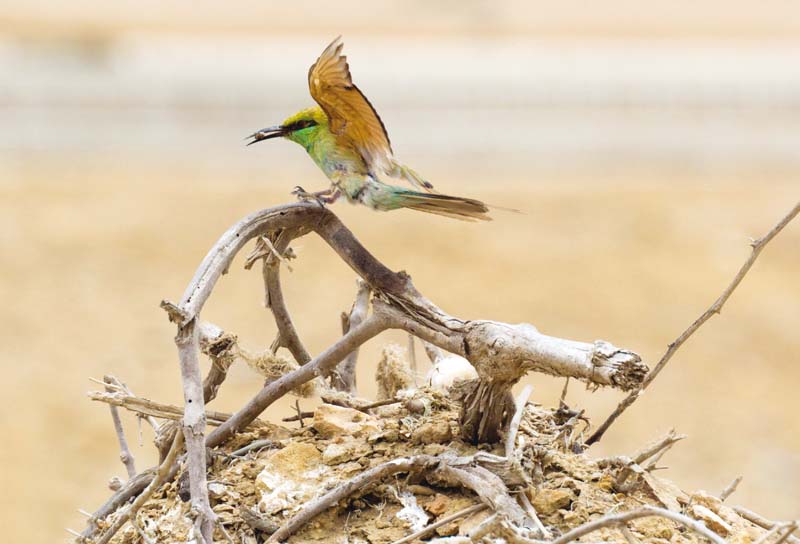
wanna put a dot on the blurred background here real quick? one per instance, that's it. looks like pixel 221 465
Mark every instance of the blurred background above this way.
pixel 646 143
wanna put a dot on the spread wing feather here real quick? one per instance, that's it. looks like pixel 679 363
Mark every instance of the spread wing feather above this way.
pixel 349 112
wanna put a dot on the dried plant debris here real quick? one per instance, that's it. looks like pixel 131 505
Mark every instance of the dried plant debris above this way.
pixel 256 492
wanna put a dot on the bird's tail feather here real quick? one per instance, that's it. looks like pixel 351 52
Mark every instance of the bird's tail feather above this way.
pixel 465 209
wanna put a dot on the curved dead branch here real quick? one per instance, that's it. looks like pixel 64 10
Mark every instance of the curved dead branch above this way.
pixel 716 308
pixel 404 464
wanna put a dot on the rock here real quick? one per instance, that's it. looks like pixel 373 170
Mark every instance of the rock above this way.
pixel 712 520
pixel 335 454
pixel 550 501
pixel 290 476
pixel 216 490
pixel 438 505
pixel 331 421
pixel 436 431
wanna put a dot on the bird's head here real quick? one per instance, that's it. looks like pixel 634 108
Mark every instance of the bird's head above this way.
pixel 300 127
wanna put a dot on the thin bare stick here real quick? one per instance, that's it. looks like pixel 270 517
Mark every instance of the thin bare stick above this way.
pixel 615 520
pixel 468 511
pixel 150 408
pixel 791 527
pixel 125 454
pixel 298 417
pixel 343 378
pixel 627 534
pixel 272 254
pixel 132 488
pixel 275 390
pixel 761 521
pixel 255 445
pixel 562 399
pixel 488 486
pixel 161 475
pixel 412 359
pixel 531 511
pixel 728 491
pixel 371 476
pixel 511 436
pixel 255 521
pixel 716 308
pixel 783 530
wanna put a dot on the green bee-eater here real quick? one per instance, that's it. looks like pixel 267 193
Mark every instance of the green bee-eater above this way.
pixel 347 140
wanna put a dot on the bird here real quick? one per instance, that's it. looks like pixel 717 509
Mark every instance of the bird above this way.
pixel 346 138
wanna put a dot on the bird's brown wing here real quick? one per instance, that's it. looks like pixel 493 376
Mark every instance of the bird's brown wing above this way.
pixel 349 112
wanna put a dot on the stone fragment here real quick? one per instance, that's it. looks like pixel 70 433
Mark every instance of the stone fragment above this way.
pixel 331 421
pixel 550 501
pixel 436 431
pixel 712 520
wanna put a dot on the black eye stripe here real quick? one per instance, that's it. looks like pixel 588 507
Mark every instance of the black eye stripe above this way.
pixel 299 125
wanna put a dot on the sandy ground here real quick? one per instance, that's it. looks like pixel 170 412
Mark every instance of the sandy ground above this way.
pixel 91 246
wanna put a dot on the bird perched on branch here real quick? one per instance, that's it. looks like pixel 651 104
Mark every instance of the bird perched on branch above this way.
pixel 348 141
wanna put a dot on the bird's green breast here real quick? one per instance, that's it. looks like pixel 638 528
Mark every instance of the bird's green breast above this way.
pixel 325 149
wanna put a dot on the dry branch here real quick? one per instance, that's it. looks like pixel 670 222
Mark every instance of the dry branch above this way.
pixel 616 520
pixel 343 378
pixel 125 454
pixel 161 475
pixel 371 476
pixel 468 511
pixel 147 407
pixel 131 488
pixel 762 522
pixel 500 352
pixel 274 252
pixel 716 308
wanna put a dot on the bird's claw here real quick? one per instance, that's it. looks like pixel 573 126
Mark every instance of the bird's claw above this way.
pixel 304 196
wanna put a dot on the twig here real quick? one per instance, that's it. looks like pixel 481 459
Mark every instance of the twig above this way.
pixel 783 529
pixel 790 528
pixel 562 399
pixel 614 520
pixel 412 359
pixel 299 412
pixel 511 436
pixel 275 390
pixel 475 508
pixel 627 534
pixel 152 408
pixel 371 476
pixel 273 295
pixel 256 521
pixel 343 378
pixel 488 486
pixel 163 473
pixel 125 454
pixel 728 491
pixel 298 417
pixel 255 445
pixel 757 246
pixel 132 488
pixel 531 511
pixel 761 521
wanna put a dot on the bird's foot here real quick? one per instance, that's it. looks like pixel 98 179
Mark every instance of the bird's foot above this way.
pixel 328 196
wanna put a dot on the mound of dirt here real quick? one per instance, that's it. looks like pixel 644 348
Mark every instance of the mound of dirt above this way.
pixel 263 478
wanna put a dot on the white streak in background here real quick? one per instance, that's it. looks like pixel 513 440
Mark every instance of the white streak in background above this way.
pixel 561 102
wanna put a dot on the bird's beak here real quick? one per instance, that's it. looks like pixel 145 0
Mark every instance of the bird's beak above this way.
pixel 267 133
